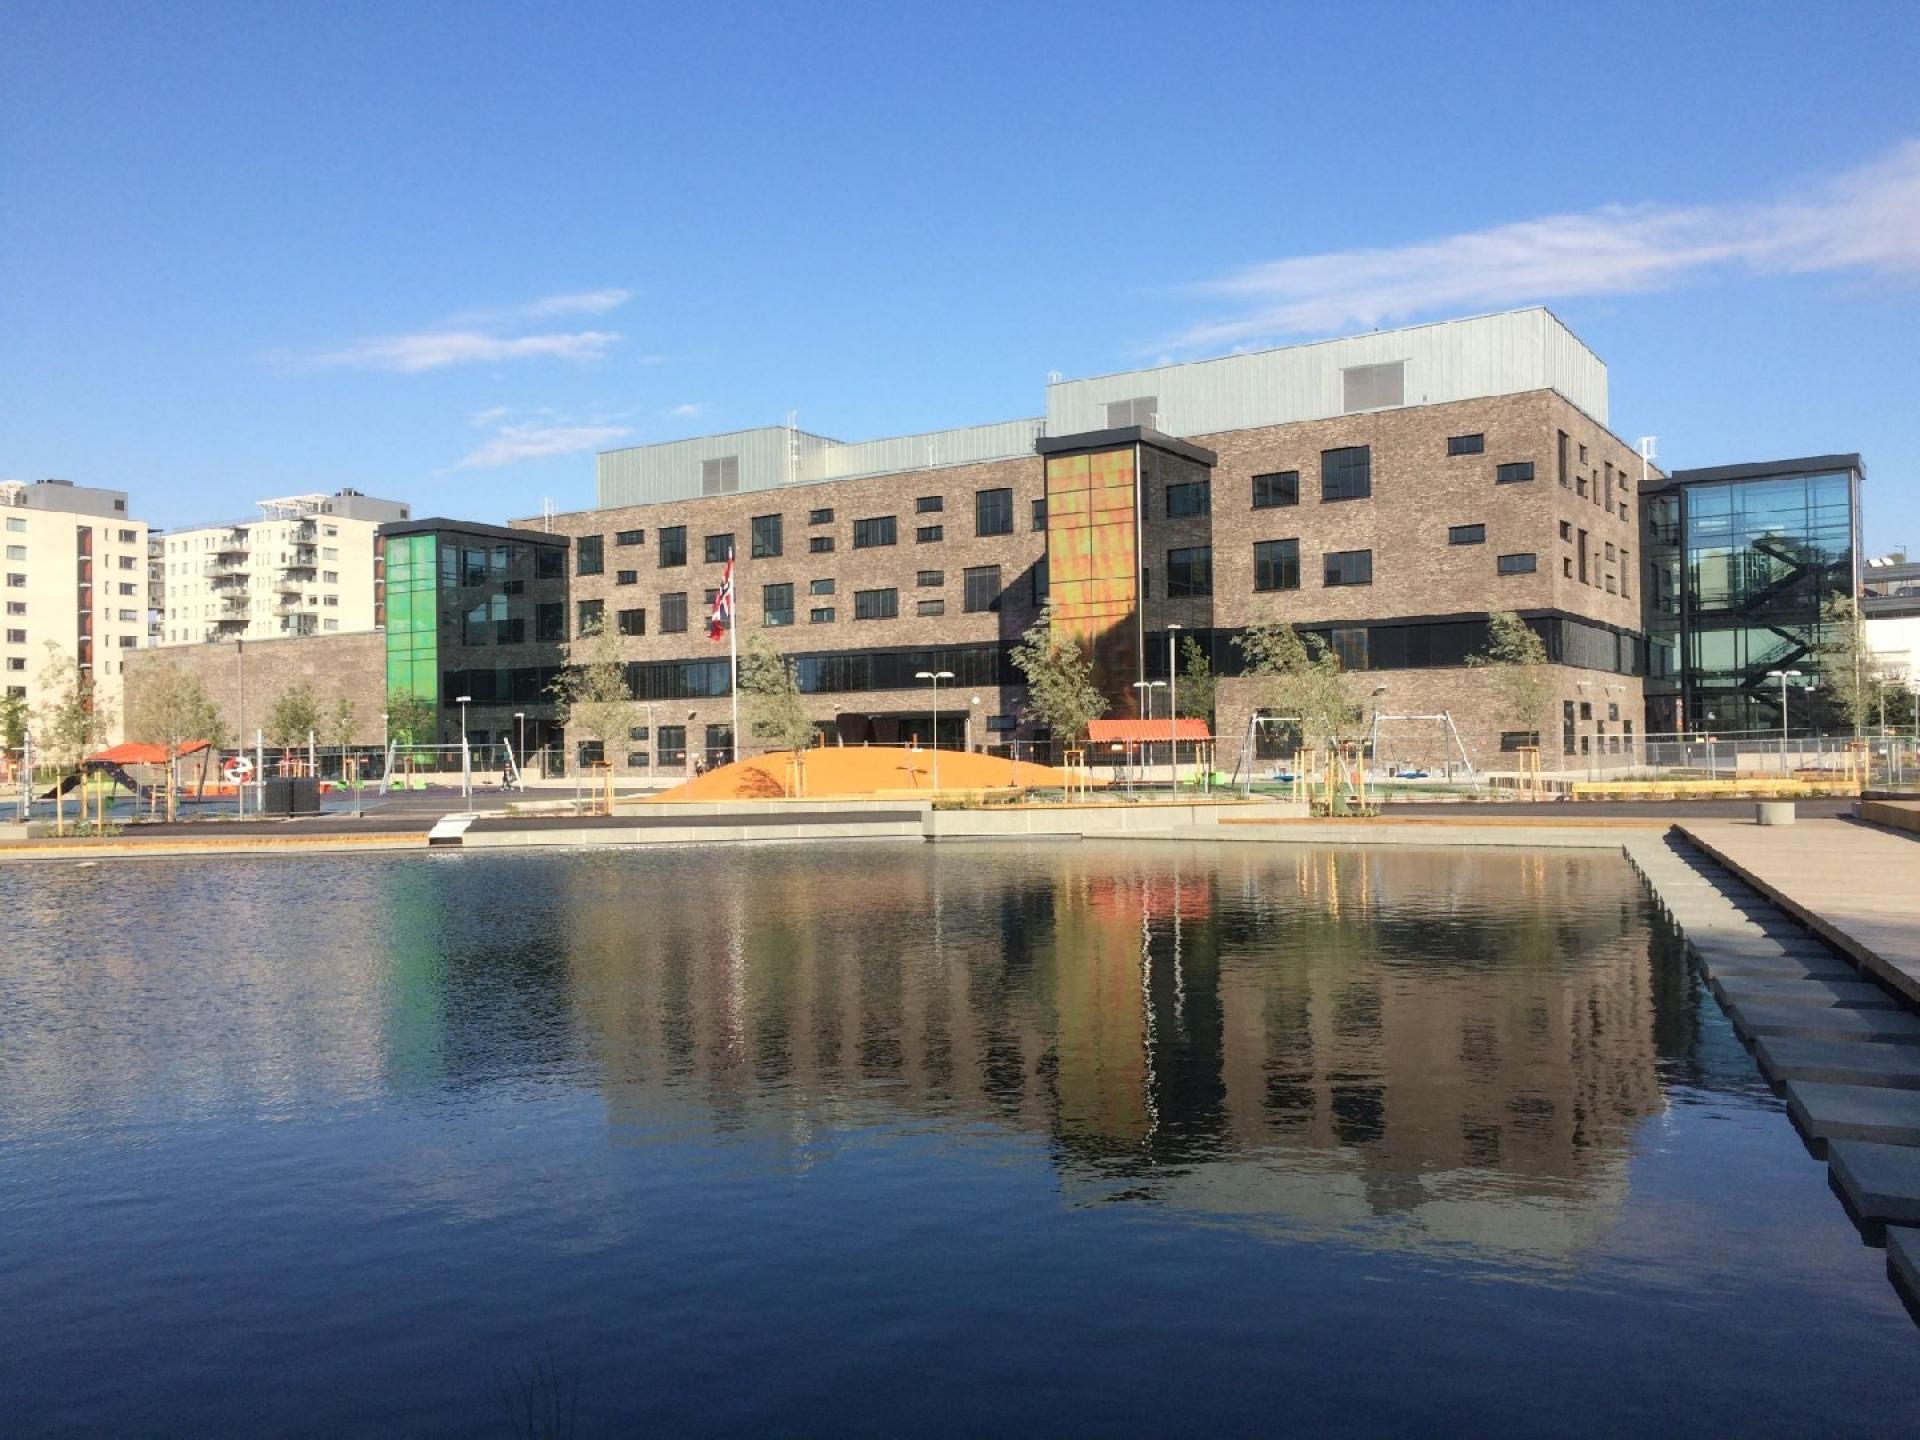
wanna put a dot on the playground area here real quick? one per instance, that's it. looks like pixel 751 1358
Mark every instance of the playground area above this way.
pixel 875 771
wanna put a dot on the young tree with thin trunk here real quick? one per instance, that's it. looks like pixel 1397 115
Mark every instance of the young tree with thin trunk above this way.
pixel 594 700
pixel 1300 679
pixel 776 710
pixel 340 723
pixel 168 707
pixel 1519 679
pixel 294 716
pixel 13 726
pixel 69 726
pixel 411 718
pixel 1198 683
pixel 1849 670
pixel 1059 675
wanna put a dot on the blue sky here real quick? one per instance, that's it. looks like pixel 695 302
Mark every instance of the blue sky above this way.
pixel 444 252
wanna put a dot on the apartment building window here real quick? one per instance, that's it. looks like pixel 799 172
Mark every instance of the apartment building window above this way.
pixel 626 577
pixel 982 588
pixel 1580 555
pixel 1190 571
pixel 1513 472
pixel 550 563
pixel 1270 492
pixel 550 622
pixel 1348 567
pixel 822 516
pixel 1276 565
pixel 719 548
pixel 767 537
pixel 1466 535
pixel 1560 453
pixel 871 533
pixel 926 578
pixel 329 577
pixel 673 546
pixel 820 615
pixel 16 662
pixel 1346 474
pixel 1583 454
pixel 929 504
pixel 1466 444
pixel 929 534
pixel 588 555
pixel 930 607
pixel 776 604
pixel 993 512
pixel 1566 531
pixel 633 622
pixel 16 552
pixel 1189 497
pixel 17 581
pixel 1040 514
pixel 819 544
pixel 1626 570
pixel 673 613
pixel 16 607
pixel 16 637
pixel 629 537
pixel 1373 387
pixel 876 604
pixel 1566 566
pixel 820 587
pixel 1523 564
pixel 1610 552
pixel 16 526
pixel 591 612
pixel 720 475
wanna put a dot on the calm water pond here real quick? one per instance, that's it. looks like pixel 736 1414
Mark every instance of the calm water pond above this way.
pixel 902 1139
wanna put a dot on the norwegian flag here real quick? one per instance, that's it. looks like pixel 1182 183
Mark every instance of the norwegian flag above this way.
pixel 722 616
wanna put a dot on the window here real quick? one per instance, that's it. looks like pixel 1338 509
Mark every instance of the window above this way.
pixel 16 662
pixel 1580 556
pixel 636 759
pixel 16 552
pixel 16 637
pixel 588 555
pixel 626 577
pixel 1511 740
pixel 982 588
pixel 633 622
pixel 590 614
pixel 1349 567
pixel 822 516
pixel 993 512
pixel 328 577
pixel 1517 564
pixel 1040 514
pixel 767 537
pixel 930 607
pixel 550 622
pixel 820 587
pixel 819 544
pixel 776 604
pixel 1560 454
pixel 1513 472
pixel 1626 571
pixel 929 504
pixel 1141 410
pixel 1566 566
pixel 1282 487
pixel 1190 571
pixel 1373 387
pixel 673 546
pixel 1466 535
pixel 868 534
pixel 673 613
pixel 820 615
pixel 1466 444
pixel 1583 454
pixel 672 747
pixel 16 607
pixel 1566 531
pixel 550 563
pixel 1039 576
pixel 1276 565
pixel 1350 646
pixel 929 534
pixel 1189 497
pixel 719 548
pixel 629 537
pixel 1610 552
pixel 720 475
pixel 16 526
pixel 1346 474
pixel 876 604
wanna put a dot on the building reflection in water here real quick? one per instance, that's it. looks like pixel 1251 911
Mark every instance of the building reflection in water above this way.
pixel 1425 1046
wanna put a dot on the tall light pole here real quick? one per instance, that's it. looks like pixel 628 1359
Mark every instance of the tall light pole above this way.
pixel 936 676
pixel 972 705
pixel 1173 714
pixel 1783 676
pixel 1146 689
pixel 520 745
pixel 466 765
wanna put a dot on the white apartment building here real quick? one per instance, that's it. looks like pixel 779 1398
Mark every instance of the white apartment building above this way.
pixel 305 567
pixel 73 571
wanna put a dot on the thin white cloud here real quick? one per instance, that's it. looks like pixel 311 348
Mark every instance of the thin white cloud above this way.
pixel 686 411
pixel 511 444
pixel 1866 219
pixel 492 415
pixel 436 349
pixel 547 307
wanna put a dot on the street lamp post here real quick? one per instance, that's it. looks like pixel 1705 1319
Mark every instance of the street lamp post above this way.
pixel 1173 714
pixel 466 763
pixel 520 745
pixel 1783 676
pixel 972 705
pixel 936 676
pixel 1146 689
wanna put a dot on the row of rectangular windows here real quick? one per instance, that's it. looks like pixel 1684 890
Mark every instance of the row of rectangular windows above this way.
pixel 981 591
pixel 1276 566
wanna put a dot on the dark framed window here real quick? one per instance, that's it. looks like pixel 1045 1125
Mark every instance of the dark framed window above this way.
pixel 1276 565
pixel 672 749
pixel 1346 474
pixel 1282 487
pixel 629 537
pixel 819 544
pixel 1517 564
pixel 550 621
pixel 626 577
pixel 930 607
pixel 1513 472
pixel 820 587
pixel 636 759
pixel 673 613
pixel 509 632
pixel 1350 646
pixel 822 516
pixel 591 613
pixel 1466 444
pixel 820 615
pixel 929 534
pixel 673 546
pixel 1466 535
pixel 633 622
pixel 1040 585
pixel 1348 567
pixel 767 537
pixel 1511 740
pixel 719 547
pixel 982 584
pixel 1560 454
pixel 1190 571
pixel 879 530
pixel 1040 514
pixel 589 554
pixel 637 733
pixel 776 604
pixel 927 578
pixel 1189 497
pixel 1566 531
pixel 592 752
pixel 549 563
pixel 993 512
pixel 929 504
pixel 876 604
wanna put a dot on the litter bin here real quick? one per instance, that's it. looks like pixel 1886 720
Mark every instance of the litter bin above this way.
pixel 290 795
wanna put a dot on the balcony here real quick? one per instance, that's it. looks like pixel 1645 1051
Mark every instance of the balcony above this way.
pixel 286 604
pixel 304 534
pixel 234 542
pixel 226 625
pixel 300 625
pixel 226 564
pixel 305 560
pixel 235 604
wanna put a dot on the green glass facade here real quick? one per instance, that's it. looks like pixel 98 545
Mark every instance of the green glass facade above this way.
pixel 412 574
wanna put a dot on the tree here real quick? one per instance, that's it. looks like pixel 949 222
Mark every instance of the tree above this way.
pixel 294 715
pixel 70 724
pixel 411 719
pixel 13 723
pixel 341 722
pixel 776 712
pixel 1299 679
pixel 168 707
pixel 591 690
pixel 1516 670
pixel 1198 683
pixel 1059 675
pixel 1849 670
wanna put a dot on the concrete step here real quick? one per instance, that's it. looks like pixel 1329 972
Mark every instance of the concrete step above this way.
pixel 1854 1112
pixel 1856 994
pixel 1825 1022
pixel 1881 1182
pixel 1838 1062
pixel 1903 1260
pixel 1716 960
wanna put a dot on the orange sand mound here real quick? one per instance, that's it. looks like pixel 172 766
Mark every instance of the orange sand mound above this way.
pixel 836 771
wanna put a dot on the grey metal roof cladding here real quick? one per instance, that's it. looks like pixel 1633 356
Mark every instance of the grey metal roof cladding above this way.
pixel 1760 469
pixel 1503 354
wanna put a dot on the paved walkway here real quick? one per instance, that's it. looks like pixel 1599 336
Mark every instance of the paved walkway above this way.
pixel 1855 886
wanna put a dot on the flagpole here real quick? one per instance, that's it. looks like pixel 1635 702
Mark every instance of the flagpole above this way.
pixel 733 657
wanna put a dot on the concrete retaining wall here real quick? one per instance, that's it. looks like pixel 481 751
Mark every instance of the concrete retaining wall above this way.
pixel 1083 820
pixel 1894 814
